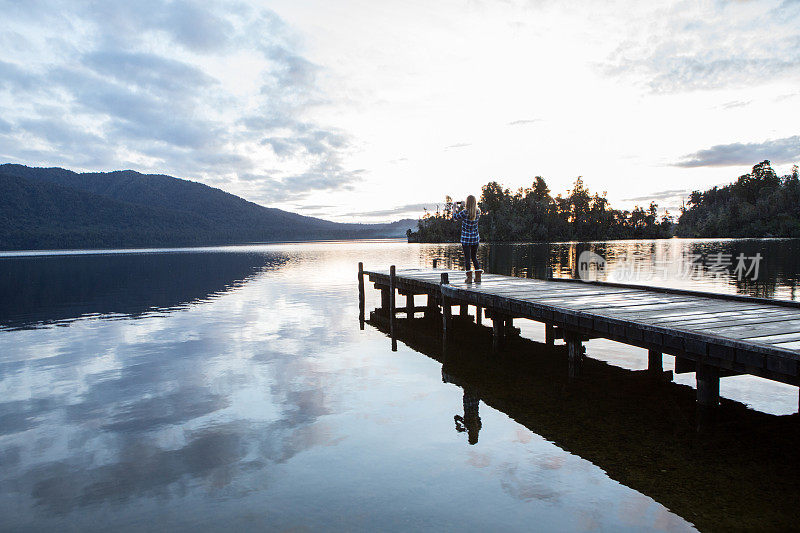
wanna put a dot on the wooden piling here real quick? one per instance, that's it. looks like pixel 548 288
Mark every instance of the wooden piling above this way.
pixel 654 361
pixel 446 309
pixel 478 314
pixel 392 287
pixel 575 354
pixel 707 385
pixel 410 305
pixel 361 298
pixel 435 262
pixel 549 334
pixel 463 311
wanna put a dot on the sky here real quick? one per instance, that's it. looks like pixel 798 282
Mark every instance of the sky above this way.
pixel 371 111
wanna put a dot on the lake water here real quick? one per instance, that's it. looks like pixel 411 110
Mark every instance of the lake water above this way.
pixel 232 388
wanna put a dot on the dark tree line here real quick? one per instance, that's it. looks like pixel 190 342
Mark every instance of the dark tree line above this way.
pixel 532 214
pixel 758 204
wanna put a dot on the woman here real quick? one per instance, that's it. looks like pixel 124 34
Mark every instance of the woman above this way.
pixel 470 238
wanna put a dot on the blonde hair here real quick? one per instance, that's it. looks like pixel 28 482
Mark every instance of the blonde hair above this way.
pixel 472 207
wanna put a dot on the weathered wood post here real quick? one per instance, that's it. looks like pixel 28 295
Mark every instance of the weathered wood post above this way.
pixel 361 294
pixel 707 385
pixel 410 305
pixel 575 354
pixel 549 334
pixel 384 299
pixel 431 307
pixel 498 331
pixel 463 311
pixel 392 287
pixel 654 362
pixel 446 310
pixel 478 314
pixel 435 261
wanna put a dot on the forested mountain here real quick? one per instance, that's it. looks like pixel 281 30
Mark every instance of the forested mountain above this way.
pixel 58 208
pixel 758 204
pixel 532 214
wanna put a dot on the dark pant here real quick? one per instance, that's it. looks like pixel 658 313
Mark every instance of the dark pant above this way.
pixel 471 254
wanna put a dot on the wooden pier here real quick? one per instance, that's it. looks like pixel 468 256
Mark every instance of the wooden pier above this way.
pixel 714 335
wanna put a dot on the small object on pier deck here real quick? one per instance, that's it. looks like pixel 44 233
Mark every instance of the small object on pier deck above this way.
pixel 392 287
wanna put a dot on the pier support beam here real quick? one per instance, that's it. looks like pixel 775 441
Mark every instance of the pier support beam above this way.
pixel 385 300
pixel 410 305
pixel 361 295
pixel 707 385
pixel 478 314
pixel 654 361
pixel 447 310
pixel 575 354
pixel 549 334
pixel 392 308
pixel 498 332
pixel 463 310
pixel 431 308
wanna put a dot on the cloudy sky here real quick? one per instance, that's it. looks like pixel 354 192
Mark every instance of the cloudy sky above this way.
pixel 370 110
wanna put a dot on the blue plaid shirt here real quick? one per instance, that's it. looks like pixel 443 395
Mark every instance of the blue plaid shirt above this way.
pixel 469 228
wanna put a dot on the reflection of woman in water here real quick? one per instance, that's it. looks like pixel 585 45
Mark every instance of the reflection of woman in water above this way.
pixel 471 421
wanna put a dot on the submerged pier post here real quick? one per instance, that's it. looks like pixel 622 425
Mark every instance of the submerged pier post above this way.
pixel 463 310
pixel 549 334
pixel 446 309
pixel 410 305
pixel 498 331
pixel 478 313
pixel 574 353
pixel 435 262
pixel 707 385
pixel 431 307
pixel 654 361
pixel 361 299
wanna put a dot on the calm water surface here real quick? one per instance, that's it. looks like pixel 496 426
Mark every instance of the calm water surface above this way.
pixel 233 388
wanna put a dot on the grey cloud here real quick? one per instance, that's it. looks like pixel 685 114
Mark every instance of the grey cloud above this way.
pixel 735 104
pixel 15 78
pixel 524 122
pixel 778 151
pixel 148 70
pixel 403 209
pixel 681 50
pixel 313 207
pixel 659 195
pixel 197 29
pixel 457 145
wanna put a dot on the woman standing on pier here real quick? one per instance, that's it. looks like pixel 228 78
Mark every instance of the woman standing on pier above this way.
pixel 469 237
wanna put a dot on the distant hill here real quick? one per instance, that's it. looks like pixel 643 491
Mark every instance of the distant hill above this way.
pixel 57 208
